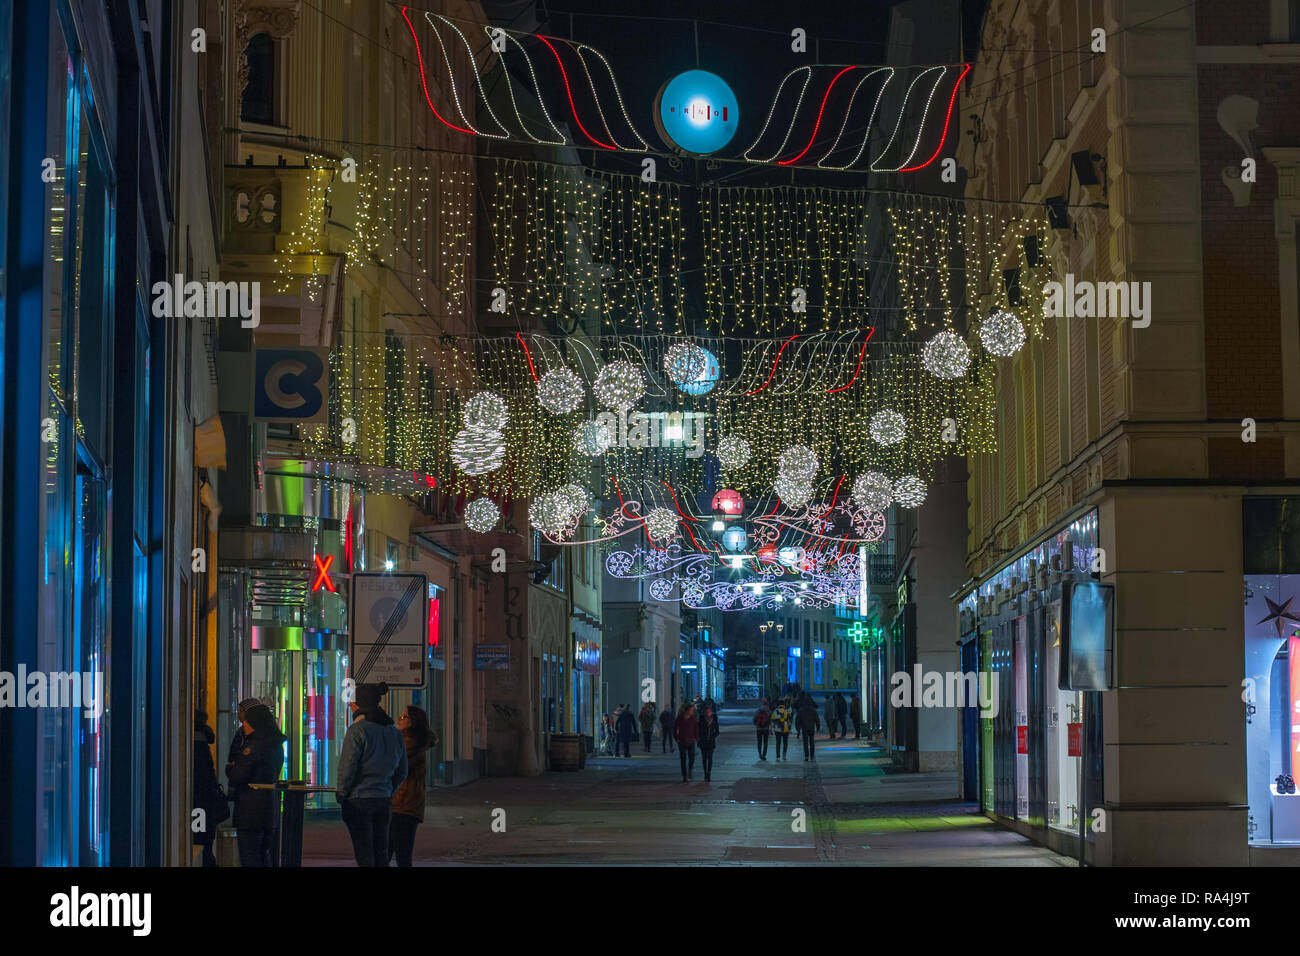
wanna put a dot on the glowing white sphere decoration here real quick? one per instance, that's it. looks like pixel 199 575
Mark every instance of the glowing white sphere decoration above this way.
pixel 1002 334
pixel 685 362
pixel 482 515
pixel 791 556
pixel 486 411
pixel 797 462
pixel 733 452
pixel 794 492
pixel 478 451
pixel 593 438
pixel 873 491
pixel 887 427
pixel 548 514
pixel 619 385
pixel 946 356
pixel 909 491
pixel 559 391
pixel 661 523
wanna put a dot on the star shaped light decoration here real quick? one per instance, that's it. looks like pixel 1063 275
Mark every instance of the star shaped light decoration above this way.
pixel 1280 614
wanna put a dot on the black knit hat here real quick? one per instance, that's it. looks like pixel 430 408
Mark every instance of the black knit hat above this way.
pixel 368 695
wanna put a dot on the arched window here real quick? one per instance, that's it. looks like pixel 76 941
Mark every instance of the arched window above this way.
pixel 259 95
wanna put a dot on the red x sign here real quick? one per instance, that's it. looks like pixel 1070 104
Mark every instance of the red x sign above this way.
pixel 323 575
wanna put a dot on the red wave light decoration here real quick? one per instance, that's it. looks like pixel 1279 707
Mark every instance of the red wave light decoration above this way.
pixel 903 125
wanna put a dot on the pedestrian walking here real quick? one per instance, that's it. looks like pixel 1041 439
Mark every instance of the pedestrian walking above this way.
pixel 842 715
pixel 408 800
pixel 604 747
pixel 666 721
pixel 686 729
pixel 207 795
pixel 709 731
pixel 371 767
pixel 855 714
pixel 807 722
pixel 828 716
pixel 782 718
pixel 626 728
pixel 260 760
pixel 647 719
pixel 763 724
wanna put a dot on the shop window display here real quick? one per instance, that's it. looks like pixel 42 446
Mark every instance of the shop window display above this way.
pixel 1271 691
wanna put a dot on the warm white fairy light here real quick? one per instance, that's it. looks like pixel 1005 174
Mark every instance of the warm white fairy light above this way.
pixel 574 499
pixel 888 427
pixel 478 451
pixel 684 363
pixel 661 523
pixel 486 411
pixel 733 452
pixel 798 462
pixel 619 385
pixel 946 356
pixel 559 391
pixel 548 514
pixel 593 438
pixel 873 491
pixel 482 515
pixel 1002 334
pixel 909 491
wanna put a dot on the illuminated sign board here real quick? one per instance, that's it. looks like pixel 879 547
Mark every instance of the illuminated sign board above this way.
pixel 697 112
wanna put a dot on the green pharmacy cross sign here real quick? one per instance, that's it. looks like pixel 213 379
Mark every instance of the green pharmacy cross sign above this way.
pixel 868 634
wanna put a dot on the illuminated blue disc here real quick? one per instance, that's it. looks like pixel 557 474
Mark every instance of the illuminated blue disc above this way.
pixel 734 539
pixel 705 380
pixel 697 112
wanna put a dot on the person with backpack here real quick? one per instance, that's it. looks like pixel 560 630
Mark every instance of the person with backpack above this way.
pixel 762 723
pixel 782 718
pixel 666 721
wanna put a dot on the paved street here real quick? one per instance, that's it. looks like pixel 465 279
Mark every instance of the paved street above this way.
pixel 637 811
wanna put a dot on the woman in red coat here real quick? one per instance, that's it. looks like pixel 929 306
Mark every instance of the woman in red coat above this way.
pixel 687 732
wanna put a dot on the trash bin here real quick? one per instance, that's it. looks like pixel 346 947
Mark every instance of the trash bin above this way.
pixel 567 751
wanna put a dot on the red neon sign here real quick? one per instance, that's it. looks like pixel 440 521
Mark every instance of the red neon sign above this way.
pixel 323 573
pixel 433 622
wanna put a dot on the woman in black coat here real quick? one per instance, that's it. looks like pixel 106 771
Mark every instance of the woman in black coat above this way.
pixel 259 761
pixel 208 795
pixel 708 740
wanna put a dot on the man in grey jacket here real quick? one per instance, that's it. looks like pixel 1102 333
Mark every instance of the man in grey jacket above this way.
pixel 371 767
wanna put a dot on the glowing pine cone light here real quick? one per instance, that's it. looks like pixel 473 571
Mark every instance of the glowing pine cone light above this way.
pixel 795 492
pixel 733 452
pixel 873 491
pixel 797 462
pixel 909 491
pixel 946 356
pixel 619 385
pixel 661 523
pixel 486 411
pixel 482 515
pixel 477 451
pixel 888 427
pixel 559 391
pixel 593 438
pixel 1002 334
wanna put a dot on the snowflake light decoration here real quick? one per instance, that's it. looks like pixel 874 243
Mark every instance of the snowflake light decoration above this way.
pixel 909 491
pixel 661 588
pixel 946 356
pixel 661 523
pixel 619 385
pixel 486 411
pixel 733 452
pixel 559 391
pixel 887 427
pixel 593 438
pixel 482 515
pixel 798 462
pixel 873 491
pixel 1002 333
pixel 478 451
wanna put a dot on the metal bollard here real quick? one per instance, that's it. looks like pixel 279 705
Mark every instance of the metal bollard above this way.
pixel 293 807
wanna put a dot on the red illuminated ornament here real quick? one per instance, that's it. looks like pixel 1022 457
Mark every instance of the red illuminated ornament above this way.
pixel 728 502
pixel 323 574
pixel 767 553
